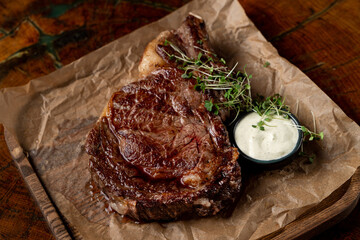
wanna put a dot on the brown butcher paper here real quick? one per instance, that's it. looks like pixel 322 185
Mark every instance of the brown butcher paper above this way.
pixel 51 116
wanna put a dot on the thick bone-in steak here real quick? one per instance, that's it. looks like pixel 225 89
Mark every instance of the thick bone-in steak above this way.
pixel 158 154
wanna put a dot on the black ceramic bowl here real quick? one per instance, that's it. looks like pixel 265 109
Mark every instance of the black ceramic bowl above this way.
pixel 278 162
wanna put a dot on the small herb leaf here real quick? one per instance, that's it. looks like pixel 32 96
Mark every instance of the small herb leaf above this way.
pixel 208 105
pixel 185 75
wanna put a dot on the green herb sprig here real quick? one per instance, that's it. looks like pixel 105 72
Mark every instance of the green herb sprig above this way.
pixel 310 156
pixel 274 106
pixel 211 76
pixel 269 108
pixel 310 136
pixel 236 90
pixel 266 64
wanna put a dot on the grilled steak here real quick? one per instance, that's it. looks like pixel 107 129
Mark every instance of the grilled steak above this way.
pixel 159 155
pixel 191 37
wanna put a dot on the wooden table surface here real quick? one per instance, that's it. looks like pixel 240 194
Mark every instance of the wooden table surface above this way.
pixel 321 37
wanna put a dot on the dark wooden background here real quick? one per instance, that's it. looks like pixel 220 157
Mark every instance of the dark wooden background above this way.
pixel 321 37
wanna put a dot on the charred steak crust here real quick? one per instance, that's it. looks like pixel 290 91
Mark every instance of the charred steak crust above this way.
pixel 158 154
pixel 192 39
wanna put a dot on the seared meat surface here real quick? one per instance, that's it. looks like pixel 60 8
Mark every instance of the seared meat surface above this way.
pixel 159 155
pixel 191 37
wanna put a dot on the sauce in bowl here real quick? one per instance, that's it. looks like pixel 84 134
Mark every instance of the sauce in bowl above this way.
pixel 278 140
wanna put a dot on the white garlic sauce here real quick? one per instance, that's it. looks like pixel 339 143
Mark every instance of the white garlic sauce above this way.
pixel 272 143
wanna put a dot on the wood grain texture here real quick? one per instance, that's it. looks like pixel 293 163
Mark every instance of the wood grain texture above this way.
pixel 324 215
pixel 20 218
pixel 321 37
pixel 36 188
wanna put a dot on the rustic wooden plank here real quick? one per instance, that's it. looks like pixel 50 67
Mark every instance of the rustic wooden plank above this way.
pixel 28 68
pixel 322 38
pixel 331 210
pixel 12 13
pixel 20 218
pixel 274 18
pixel 346 229
pixel 25 36
pixel 37 190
